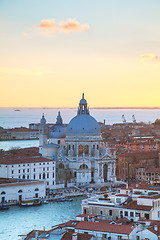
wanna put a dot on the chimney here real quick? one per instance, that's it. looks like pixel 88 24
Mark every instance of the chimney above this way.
pixel 74 236
pixel 36 235
pixel 155 228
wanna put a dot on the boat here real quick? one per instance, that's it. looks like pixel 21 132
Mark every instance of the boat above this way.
pixel 68 199
pixel 60 200
pixel 17 110
pixel 30 202
pixel 45 202
pixel 3 207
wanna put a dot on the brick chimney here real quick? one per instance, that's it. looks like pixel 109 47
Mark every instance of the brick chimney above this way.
pixel 155 228
pixel 74 236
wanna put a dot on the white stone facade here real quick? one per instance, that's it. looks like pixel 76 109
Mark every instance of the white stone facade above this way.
pixel 80 154
pixel 16 191
pixel 35 170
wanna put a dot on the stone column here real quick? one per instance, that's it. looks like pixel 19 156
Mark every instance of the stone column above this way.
pixel 77 150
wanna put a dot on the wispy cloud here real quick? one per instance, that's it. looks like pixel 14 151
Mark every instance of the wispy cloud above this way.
pixel 72 25
pixel 49 26
pixel 149 58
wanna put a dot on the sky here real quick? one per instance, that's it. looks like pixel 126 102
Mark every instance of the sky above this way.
pixel 52 51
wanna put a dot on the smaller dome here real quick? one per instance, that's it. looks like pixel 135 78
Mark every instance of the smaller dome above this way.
pixel 43 120
pixel 59 129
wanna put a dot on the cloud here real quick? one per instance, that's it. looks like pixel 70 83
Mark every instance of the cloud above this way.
pixel 72 25
pixel 149 58
pixel 47 27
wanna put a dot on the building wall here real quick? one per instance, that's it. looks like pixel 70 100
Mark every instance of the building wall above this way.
pixel 12 191
pixel 34 171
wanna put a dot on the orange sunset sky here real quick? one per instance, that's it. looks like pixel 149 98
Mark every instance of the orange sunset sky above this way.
pixel 52 51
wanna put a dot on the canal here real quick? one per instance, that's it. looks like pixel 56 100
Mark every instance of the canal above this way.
pixel 18 220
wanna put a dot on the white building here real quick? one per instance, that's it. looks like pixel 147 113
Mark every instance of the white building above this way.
pixel 80 154
pixel 12 190
pixel 21 164
pixel 129 203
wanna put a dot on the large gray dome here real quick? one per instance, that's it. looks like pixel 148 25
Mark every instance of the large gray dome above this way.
pixel 83 125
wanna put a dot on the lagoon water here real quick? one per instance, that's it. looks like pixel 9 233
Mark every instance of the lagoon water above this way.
pixel 10 118
pixel 19 220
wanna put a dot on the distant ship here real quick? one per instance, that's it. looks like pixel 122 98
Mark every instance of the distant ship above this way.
pixel 17 110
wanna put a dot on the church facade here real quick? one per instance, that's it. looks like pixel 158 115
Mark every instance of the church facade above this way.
pixel 78 150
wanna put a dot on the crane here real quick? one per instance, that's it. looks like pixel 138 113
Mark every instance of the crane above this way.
pixel 133 117
pixel 123 118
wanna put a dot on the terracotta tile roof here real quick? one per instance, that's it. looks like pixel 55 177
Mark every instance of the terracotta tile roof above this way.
pixel 141 155
pixel 156 196
pixel 23 129
pixel 20 160
pixel 152 169
pixel 121 195
pixel 86 215
pixel 133 205
pixel 71 223
pixel 105 226
pixel 32 234
pixel 80 236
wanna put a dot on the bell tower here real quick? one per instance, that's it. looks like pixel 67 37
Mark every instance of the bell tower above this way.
pixel 43 135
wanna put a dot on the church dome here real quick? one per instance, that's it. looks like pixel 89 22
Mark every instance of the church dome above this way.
pixel 83 124
pixel 59 129
pixel 43 120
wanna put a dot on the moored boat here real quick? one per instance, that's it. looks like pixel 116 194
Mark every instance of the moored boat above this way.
pixel 30 202
pixel 3 207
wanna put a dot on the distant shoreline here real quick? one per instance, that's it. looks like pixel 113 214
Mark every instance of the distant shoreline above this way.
pixel 15 109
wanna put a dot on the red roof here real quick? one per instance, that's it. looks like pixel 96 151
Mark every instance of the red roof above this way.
pixel 133 205
pixel 105 226
pixel 141 155
pixel 80 236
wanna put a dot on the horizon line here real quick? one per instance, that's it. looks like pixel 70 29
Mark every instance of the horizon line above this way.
pixel 16 108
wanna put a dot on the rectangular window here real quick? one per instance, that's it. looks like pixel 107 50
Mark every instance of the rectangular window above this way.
pixel 44 169
pixel 34 169
pixel 27 170
pixel 47 175
pixel 47 168
pixel 53 175
pixel 19 171
pixel 12 171
pixel 131 214
pixel 110 212
pixel 126 213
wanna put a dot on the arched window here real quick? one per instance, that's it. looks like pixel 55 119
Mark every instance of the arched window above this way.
pixel 73 147
pixel 61 166
pixel 69 147
pixel 93 146
pixel 3 192
pixel 43 175
pixel 86 149
pixel 80 149
pixel 83 166
pixel 97 146
pixel 36 189
pixel 20 191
